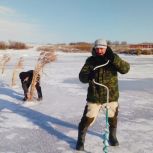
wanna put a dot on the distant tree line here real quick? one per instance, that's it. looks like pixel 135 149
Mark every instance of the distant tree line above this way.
pixel 118 47
pixel 12 45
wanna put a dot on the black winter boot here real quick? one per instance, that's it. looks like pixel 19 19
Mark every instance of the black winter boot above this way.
pixel 81 139
pixel 83 127
pixel 112 129
pixel 82 130
pixel 112 137
pixel 24 99
pixel 39 99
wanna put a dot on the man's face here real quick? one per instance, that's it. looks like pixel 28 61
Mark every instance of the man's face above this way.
pixel 100 51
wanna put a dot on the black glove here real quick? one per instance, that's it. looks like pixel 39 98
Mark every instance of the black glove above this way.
pixel 109 54
pixel 91 75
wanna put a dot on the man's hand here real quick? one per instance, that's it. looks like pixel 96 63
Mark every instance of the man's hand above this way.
pixel 109 54
pixel 91 75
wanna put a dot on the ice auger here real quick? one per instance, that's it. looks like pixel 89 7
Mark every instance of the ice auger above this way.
pixel 106 135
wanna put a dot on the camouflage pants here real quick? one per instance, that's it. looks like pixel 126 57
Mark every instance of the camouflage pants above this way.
pixel 92 110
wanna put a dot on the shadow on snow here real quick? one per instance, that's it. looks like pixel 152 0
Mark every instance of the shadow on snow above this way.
pixel 42 120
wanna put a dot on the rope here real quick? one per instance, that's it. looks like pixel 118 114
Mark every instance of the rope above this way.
pixel 106 135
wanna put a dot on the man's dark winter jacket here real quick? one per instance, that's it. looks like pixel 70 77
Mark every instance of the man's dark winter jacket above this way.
pixel 106 75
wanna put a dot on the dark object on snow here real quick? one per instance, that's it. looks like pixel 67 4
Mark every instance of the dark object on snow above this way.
pixel 112 129
pixel 26 80
pixel 112 137
pixel 82 130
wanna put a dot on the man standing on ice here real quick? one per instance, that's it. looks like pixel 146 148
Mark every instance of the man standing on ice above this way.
pixel 97 95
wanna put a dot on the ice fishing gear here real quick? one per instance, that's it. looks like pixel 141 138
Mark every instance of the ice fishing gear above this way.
pixel 106 135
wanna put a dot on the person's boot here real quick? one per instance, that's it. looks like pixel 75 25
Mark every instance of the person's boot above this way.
pixel 81 140
pixel 112 137
pixel 24 99
pixel 112 129
pixel 39 99
pixel 82 130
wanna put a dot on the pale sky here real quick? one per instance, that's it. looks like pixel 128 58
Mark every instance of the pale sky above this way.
pixel 64 21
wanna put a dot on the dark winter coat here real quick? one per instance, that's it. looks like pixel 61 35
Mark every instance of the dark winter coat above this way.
pixel 106 75
pixel 24 75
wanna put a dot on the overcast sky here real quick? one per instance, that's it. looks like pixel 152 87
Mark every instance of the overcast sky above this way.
pixel 64 21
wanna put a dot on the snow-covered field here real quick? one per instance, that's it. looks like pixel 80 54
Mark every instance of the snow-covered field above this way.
pixel 51 126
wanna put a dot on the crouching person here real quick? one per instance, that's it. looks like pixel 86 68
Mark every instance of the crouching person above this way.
pixel 97 95
pixel 26 80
